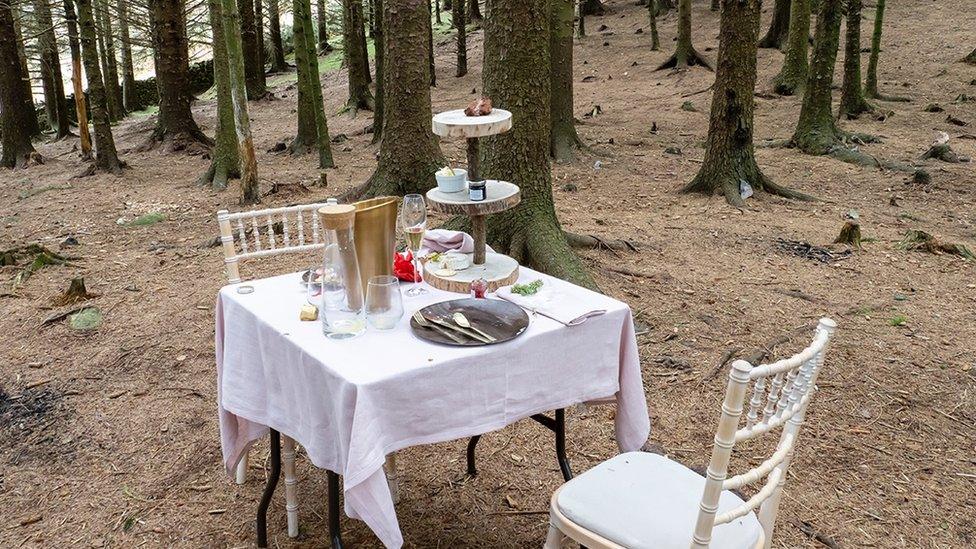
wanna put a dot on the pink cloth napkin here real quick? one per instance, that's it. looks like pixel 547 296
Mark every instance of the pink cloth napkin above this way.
pixel 443 240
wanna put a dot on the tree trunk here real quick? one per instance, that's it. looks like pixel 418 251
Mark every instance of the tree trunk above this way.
pixel 112 87
pixel 430 48
pixel 313 130
pixel 55 103
pixel 130 101
pixel 792 77
pixel 518 79
pixel 33 127
pixel 437 14
pixel 249 193
pixel 175 127
pixel 253 64
pixel 971 58
pixel 409 154
pixel 716 5
pixel 871 81
pixel 106 157
pixel 361 33
pixel 581 18
pixel 652 9
pixel 378 43
pixel 14 124
pixel 259 30
pixel 816 132
pixel 685 54
pixel 779 27
pixel 852 102
pixel 563 137
pixel 359 94
pixel 593 7
pixel 114 109
pixel 278 63
pixel 474 12
pixel 323 28
pixel 730 160
pixel 81 110
pixel 225 159
pixel 457 16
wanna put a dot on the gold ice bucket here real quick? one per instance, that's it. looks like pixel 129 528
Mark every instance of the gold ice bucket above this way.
pixel 375 232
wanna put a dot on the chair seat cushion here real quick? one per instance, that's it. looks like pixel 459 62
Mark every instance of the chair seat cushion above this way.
pixel 644 500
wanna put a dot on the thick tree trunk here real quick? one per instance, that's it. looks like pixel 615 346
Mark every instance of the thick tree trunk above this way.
pixel 564 140
pixel 106 157
pixel 792 77
pixel 652 11
pixel 409 154
pixel 716 5
pixel 225 158
pixel 779 27
pixel 593 7
pixel 55 103
pixel 323 28
pixel 816 132
pixel 253 60
pixel 175 127
pixel 518 79
pixel 112 87
pixel 313 130
pixel 249 193
pixel 34 128
pixel 130 100
pixel 730 160
pixel 359 94
pixel 74 43
pixel 378 33
pixel 685 54
pixel 14 124
pixel 278 63
pixel 462 42
pixel 474 12
pixel 852 102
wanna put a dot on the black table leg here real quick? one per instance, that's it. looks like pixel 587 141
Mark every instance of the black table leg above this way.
pixel 334 532
pixel 269 488
pixel 472 470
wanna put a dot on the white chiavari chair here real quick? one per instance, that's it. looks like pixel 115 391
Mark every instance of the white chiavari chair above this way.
pixel 644 500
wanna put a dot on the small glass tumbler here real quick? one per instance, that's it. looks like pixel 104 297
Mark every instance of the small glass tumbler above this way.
pixel 384 304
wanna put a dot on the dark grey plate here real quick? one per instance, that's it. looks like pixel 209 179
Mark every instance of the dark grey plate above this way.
pixel 501 319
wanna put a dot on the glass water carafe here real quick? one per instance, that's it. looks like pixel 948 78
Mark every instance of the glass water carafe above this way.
pixel 341 311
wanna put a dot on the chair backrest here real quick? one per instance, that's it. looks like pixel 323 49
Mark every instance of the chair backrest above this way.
pixel 285 230
pixel 780 395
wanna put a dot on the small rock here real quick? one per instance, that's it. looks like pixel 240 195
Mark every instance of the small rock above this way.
pixel 688 106
pixel 933 107
pixel 606 43
pixel 956 121
pixel 639 31
pixel 570 187
pixel 340 138
pixel 70 241
pixel 672 150
pixel 278 147
pixel 602 28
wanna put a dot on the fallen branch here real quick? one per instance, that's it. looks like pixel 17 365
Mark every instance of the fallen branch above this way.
pixel 595 242
pixel 812 533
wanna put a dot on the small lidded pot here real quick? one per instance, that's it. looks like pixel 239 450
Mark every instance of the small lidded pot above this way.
pixel 477 190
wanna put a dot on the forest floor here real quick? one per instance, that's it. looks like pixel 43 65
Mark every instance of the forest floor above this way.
pixel 109 438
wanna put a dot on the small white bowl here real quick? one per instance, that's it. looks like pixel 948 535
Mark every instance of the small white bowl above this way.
pixel 452 183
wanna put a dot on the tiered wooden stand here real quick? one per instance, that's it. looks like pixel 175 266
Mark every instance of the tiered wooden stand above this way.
pixel 498 269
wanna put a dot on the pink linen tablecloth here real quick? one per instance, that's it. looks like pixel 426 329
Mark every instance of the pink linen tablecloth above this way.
pixel 351 403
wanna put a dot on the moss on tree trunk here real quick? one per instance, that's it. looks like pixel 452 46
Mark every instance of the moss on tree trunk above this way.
pixel 130 99
pixel 816 132
pixel 378 38
pixel 852 102
pixel 14 123
pixel 253 58
pixel 564 139
pixel 175 127
pixel 225 158
pixel 685 54
pixel 355 53
pixel 249 193
pixel 112 87
pixel 278 63
pixel 313 129
pixel 106 157
pixel 518 79
pixel 730 159
pixel 55 104
pixel 779 27
pixel 458 19
pixel 409 154
pixel 792 77
pixel 652 12
pixel 322 27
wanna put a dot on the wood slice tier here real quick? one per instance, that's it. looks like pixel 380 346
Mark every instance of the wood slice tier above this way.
pixel 500 196
pixel 457 124
pixel 499 270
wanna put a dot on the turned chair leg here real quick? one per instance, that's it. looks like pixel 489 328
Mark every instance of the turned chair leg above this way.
pixel 240 475
pixel 554 539
pixel 291 485
pixel 392 477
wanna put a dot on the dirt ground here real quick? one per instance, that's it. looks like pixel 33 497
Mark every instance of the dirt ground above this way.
pixel 109 437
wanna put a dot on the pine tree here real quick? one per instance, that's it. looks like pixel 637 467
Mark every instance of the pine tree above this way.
pixel 563 137
pixel 249 193
pixel 18 150
pixel 355 53
pixel 685 54
pixel 792 77
pixel 225 159
pixel 460 24
pixel 278 63
pixel 779 26
pixel 81 110
pixel 852 102
pixel 313 130
pixel 106 157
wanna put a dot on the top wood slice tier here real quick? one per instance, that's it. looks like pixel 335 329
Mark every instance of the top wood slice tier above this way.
pixel 501 196
pixel 456 124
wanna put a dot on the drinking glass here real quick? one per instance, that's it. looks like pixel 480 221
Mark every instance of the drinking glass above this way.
pixel 384 305
pixel 413 219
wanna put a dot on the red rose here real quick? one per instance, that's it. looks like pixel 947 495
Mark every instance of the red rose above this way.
pixel 403 267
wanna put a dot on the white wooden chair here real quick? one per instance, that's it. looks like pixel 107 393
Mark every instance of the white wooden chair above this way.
pixel 265 233
pixel 644 500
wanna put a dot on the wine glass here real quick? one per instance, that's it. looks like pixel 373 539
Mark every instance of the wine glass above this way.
pixel 413 219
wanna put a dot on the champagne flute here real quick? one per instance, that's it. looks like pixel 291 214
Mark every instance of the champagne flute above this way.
pixel 413 218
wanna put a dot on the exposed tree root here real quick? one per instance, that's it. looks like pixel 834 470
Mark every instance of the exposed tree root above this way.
pixel 923 241
pixel 193 142
pixel 892 98
pixel 217 175
pixel 354 105
pixel 729 183
pixel 942 151
pixel 593 242
pixel 692 58
pixel 537 241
